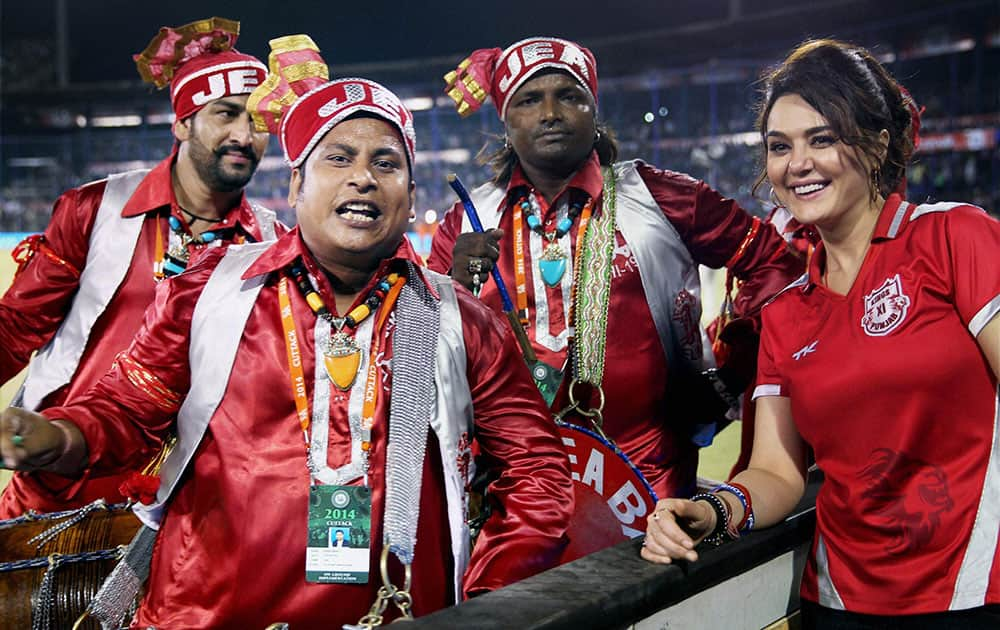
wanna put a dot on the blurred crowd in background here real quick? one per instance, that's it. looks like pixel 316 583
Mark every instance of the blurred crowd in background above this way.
pixel 696 119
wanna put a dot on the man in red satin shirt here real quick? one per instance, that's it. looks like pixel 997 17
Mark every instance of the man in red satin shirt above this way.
pixel 82 287
pixel 326 380
pixel 645 365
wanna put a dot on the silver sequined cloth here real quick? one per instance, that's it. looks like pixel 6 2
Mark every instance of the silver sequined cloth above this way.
pixel 418 320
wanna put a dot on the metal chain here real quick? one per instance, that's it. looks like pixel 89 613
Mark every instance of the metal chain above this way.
pixel 404 602
pixel 75 517
pixel 41 617
pixel 388 592
pixel 32 516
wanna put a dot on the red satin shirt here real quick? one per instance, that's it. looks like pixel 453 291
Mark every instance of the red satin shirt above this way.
pixel 40 296
pixel 638 413
pixel 231 551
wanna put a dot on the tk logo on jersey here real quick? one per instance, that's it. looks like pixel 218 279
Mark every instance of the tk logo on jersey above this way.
pixel 885 308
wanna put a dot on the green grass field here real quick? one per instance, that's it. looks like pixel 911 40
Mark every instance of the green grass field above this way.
pixel 715 460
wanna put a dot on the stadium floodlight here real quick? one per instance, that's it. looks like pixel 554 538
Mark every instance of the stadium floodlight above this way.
pixel 131 120
pixel 419 103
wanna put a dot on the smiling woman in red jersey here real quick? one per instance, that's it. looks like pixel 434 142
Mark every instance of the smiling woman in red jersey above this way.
pixel 883 359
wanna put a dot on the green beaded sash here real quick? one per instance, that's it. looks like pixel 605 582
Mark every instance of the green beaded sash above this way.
pixel 593 291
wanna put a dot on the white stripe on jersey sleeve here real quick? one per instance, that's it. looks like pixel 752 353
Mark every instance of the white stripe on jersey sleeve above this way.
pixel 984 316
pixel 766 390
pixel 919 211
pixel 941 206
pixel 897 220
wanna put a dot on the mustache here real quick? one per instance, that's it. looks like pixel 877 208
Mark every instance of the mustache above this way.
pixel 246 152
pixel 555 127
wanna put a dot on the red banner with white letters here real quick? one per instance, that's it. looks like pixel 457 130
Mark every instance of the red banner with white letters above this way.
pixel 613 499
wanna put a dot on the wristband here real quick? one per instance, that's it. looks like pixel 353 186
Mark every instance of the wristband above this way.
pixel 740 492
pixel 746 524
pixel 722 517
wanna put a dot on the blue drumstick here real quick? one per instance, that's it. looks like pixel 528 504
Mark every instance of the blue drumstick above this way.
pixel 477 226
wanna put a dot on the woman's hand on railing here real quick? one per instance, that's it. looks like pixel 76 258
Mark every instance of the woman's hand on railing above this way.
pixel 674 528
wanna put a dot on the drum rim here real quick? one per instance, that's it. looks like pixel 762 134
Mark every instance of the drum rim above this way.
pixel 614 447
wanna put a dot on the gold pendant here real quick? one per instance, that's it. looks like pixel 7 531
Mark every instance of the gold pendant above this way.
pixel 179 252
pixel 553 251
pixel 342 358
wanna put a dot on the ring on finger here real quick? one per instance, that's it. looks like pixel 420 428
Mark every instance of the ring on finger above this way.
pixel 476 266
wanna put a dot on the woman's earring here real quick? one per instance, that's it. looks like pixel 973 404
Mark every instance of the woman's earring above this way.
pixel 876 182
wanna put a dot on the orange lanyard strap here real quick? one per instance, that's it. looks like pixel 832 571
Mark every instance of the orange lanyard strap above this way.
pixel 385 293
pixel 520 277
pixel 295 375
pixel 158 273
pixel 584 222
pixel 371 381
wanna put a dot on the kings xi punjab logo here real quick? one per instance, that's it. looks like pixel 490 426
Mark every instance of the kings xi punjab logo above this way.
pixel 885 308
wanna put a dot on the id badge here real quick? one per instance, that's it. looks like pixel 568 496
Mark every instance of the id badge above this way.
pixel 339 546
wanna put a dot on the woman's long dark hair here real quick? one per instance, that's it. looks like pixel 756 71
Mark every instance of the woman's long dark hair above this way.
pixel 856 95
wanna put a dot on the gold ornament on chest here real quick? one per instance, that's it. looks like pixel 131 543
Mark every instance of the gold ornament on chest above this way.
pixel 342 357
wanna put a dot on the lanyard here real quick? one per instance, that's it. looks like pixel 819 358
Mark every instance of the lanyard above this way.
pixel 519 273
pixel 371 380
pixel 160 251
pixel 295 374
pixel 297 378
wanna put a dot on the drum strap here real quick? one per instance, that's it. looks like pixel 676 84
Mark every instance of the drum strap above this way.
pixel 117 596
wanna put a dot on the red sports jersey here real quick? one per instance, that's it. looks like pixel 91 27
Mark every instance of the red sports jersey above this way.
pixel 890 388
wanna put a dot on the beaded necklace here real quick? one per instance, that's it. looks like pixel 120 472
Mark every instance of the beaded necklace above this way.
pixel 552 264
pixel 174 259
pixel 342 356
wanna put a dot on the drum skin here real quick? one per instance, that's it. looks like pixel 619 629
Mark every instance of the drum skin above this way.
pixel 613 499
pixel 74 583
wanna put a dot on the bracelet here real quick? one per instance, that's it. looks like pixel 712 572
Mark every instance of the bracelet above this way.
pixel 722 517
pixel 712 374
pixel 731 530
pixel 740 492
pixel 745 526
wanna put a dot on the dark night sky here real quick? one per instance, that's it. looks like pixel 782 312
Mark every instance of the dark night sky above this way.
pixel 626 35
pixel 103 35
